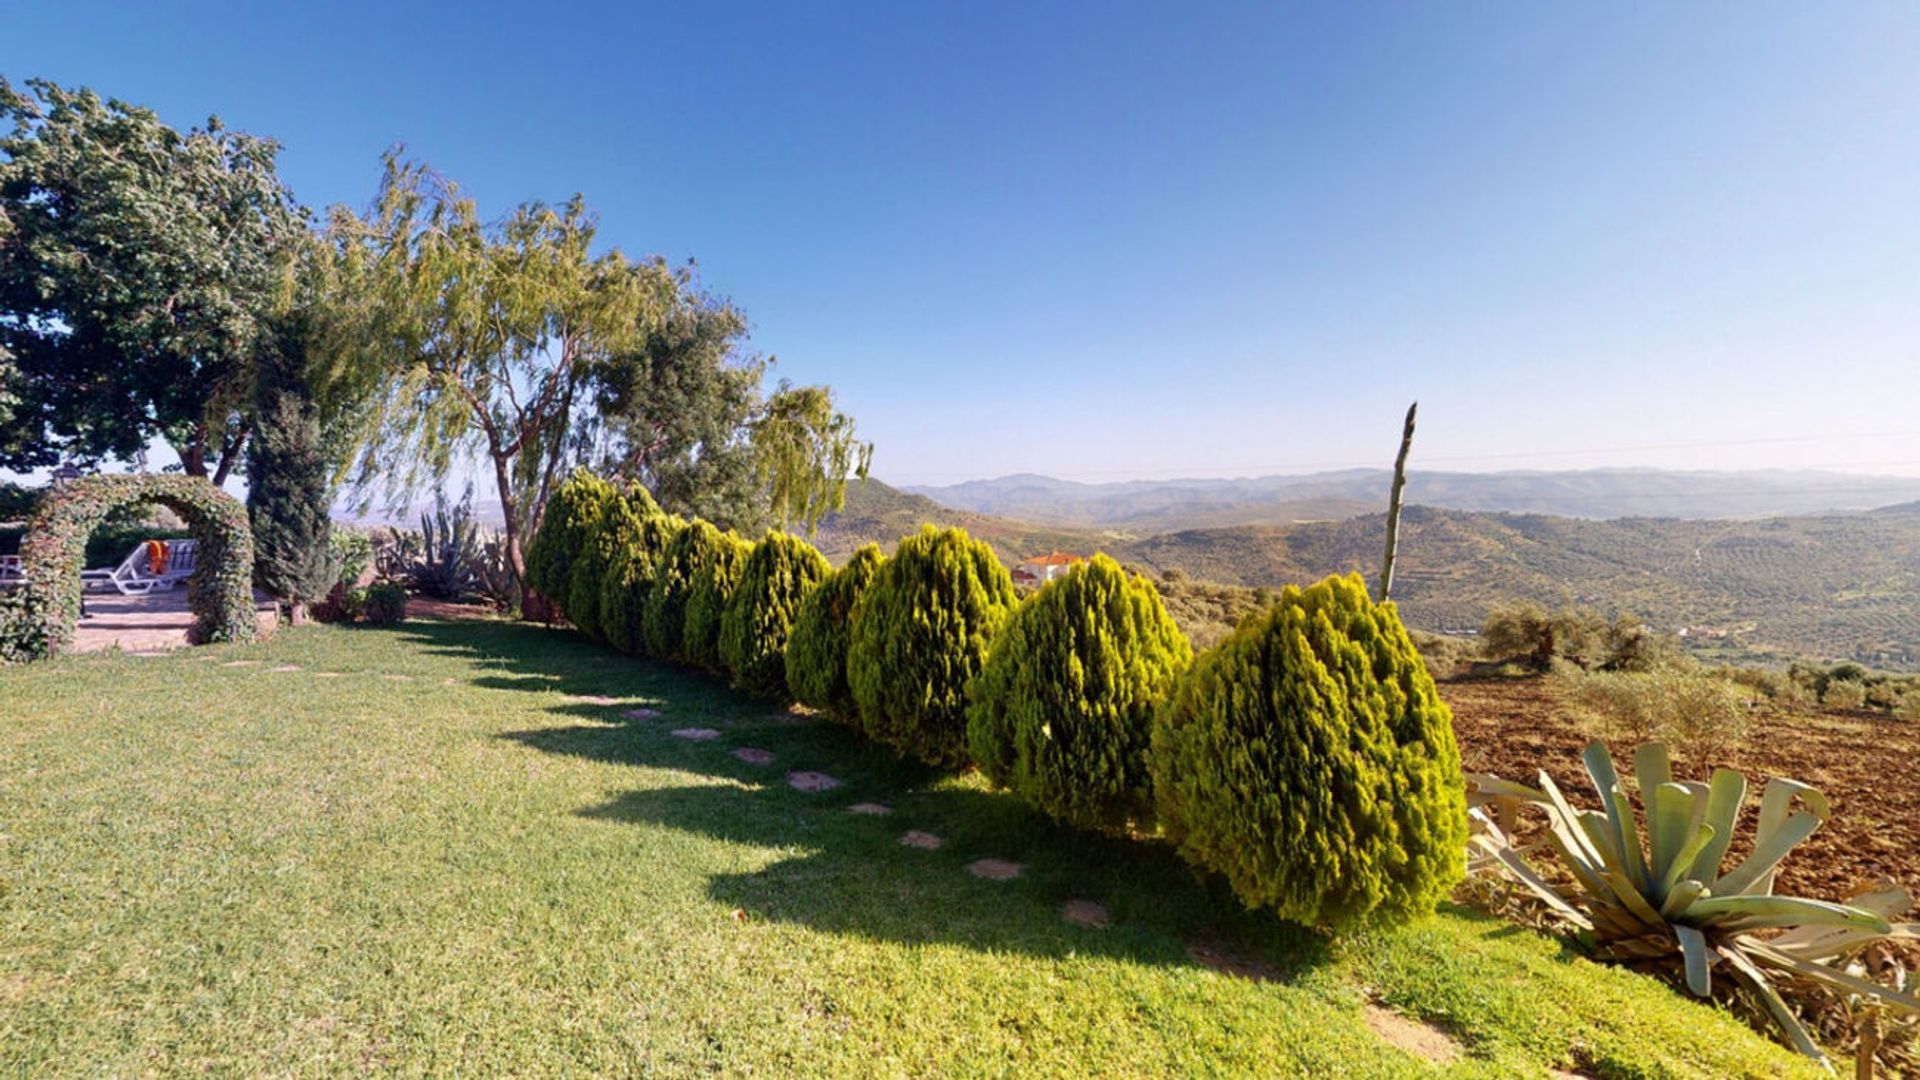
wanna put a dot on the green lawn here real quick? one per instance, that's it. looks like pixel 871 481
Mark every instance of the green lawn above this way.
pixel 231 869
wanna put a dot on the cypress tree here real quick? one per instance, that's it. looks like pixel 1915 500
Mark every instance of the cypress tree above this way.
pixel 665 627
pixel 289 497
pixel 714 583
pixel 630 578
pixel 615 525
pixel 822 629
pixel 779 573
pixel 1063 712
pixel 1309 759
pixel 571 510
pixel 920 634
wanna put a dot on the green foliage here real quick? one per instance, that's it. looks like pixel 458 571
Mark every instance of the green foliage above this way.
pixel 1309 759
pixel 1703 714
pixel 822 630
pixel 289 498
pixel 615 525
pixel 714 583
pixel 687 554
pixel 780 572
pixel 1062 713
pixel 804 450
pixel 352 553
pixel 447 566
pixel 637 550
pixel 38 620
pixel 138 263
pixel 1526 631
pixel 920 633
pixel 17 503
pixel 384 604
pixel 570 514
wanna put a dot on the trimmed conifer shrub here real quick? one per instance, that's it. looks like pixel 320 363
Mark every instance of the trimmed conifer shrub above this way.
pixel 1062 714
pixel 817 643
pixel 920 633
pixel 779 573
pixel 665 627
pixel 630 577
pixel 616 526
pixel 714 583
pixel 289 501
pixel 1309 759
pixel 570 513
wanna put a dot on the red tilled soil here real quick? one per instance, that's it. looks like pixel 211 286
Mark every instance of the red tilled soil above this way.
pixel 1868 766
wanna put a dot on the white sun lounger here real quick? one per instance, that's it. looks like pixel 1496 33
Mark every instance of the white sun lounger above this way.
pixel 134 576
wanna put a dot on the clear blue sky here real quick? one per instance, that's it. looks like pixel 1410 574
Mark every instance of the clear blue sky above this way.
pixel 1107 241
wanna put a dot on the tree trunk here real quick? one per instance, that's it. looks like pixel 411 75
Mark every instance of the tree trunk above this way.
pixel 1393 505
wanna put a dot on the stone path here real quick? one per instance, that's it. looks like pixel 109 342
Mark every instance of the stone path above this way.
pixel 753 757
pixel 155 622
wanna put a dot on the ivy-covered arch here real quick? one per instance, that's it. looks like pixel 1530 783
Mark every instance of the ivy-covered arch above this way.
pixel 220 591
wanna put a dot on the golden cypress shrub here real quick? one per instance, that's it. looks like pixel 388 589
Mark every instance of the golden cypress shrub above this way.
pixel 571 510
pixel 1309 759
pixel 630 577
pixel 779 573
pixel 920 633
pixel 665 626
pixel 822 631
pixel 714 582
pixel 603 542
pixel 1063 712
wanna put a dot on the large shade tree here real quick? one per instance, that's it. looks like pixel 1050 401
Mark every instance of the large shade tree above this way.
pixel 137 263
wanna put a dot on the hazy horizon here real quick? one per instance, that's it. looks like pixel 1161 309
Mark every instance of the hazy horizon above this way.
pixel 1110 241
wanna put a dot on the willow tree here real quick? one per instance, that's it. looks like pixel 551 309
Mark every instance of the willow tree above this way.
pixel 804 451
pixel 486 337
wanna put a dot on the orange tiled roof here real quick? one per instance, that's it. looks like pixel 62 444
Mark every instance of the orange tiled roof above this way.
pixel 1052 558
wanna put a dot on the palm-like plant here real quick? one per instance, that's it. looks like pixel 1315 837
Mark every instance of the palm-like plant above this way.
pixel 1667 903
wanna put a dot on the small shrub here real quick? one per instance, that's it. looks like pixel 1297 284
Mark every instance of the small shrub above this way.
pixel 1575 637
pixel 780 572
pixel 816 659
pixel 630 577
pixel 1703 715
pixel 1062 714
pixel 384 604
pixel 713 587
pixel 920 634
pixel 1909 706
pixel 1310 761
pixel 564 525
pixel 616 525
pixel 1844 694
pixel 666 617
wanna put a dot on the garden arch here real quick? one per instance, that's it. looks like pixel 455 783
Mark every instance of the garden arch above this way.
pixel 220 590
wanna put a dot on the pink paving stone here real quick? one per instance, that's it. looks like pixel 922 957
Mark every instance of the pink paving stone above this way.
pixel 241 663
pixel 595 699
pixel 925 841
pixel 754 757
pixel 326 674
pixel 641 714
pixel 1086 913
pixel 697 734
pixel 398 678
pixel 871 808
pixel 811 781
pixel 449 681
pixel 283 669
pixel 994 869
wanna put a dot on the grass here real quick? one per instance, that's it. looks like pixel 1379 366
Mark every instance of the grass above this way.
pixel 227 869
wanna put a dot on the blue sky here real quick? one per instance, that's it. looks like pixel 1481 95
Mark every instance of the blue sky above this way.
pixel 1110 241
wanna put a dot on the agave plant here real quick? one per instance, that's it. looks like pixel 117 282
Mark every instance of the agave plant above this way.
pixel 1668 903
pixel 450 549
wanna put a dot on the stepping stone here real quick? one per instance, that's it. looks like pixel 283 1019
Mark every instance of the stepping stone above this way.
pixel 754 757
pixel 641 714
pixel 283 669
pixel 326 674
pixel 241 663
pixel 994 869
pixel 873 809
pixel 398 678
pixel 925 841
pixel 811 781
pixel 1086 913
pixel 595 699
pixel 449 681
pixel 697 734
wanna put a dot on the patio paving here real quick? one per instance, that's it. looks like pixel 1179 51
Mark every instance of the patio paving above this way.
pixel 155 622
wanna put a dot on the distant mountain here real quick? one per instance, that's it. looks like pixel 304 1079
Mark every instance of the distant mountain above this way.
pixel 1144 507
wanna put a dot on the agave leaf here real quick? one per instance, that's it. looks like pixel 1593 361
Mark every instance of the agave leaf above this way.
pixel 1559 808
pixel 1669 809
pixel 1684 861
pixel 1493 787
pixel 1681 895
pixel 1546 892
pixel 1769 847
pixel 1631 899
pixel 1693 948
pixel 1755 911
pixel 1775 800
pixel 1745 972
pixel 1651 769
pixel 1599 833
pixel 1626 828
pixel 1834 976
pixel 1725 792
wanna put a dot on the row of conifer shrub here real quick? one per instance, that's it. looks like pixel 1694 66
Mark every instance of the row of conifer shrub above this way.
pixel 1307 757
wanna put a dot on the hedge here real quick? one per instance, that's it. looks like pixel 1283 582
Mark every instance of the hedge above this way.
pixel 39 618
pixel 714 583
pixel 779 574
pixel 920 634
pixel 564 525
pixel 602 540
pixel 1062 714
pixel 637 556
pixel 822 629
pixel 665 627
pixel 1309 759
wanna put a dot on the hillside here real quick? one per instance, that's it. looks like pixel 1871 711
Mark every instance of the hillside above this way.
pixel 1844 586
pixel 1147 507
